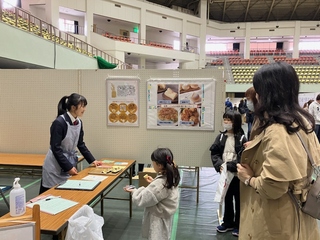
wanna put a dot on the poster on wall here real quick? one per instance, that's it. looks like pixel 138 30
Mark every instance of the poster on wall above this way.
pixel 180 104
pixel 122 101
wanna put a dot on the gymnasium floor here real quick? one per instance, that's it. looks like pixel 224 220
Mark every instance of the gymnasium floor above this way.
pixel 191 221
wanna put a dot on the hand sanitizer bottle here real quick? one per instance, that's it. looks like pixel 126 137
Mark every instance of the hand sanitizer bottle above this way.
pixel 17 199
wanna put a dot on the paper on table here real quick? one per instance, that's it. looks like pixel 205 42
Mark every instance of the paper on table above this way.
pixel 79 185
pixel 53 205
pixel 38 198
pixel 120 163
pixel 106 161
pixel 95 178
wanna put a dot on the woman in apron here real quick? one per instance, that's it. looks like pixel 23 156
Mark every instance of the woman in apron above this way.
pixel 66 134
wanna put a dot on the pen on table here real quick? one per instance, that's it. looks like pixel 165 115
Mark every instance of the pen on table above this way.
pixel 47 199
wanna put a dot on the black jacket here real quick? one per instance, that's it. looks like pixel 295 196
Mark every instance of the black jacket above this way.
pixel 58 131
pixel 217 149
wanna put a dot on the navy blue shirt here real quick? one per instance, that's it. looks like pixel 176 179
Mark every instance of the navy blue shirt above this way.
pixel 58 131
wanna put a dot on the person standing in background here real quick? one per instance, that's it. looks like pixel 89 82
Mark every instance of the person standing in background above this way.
pixel 227 148
pixel 314 110
pixel 228 104
pixel 250 95
pixel 66 134
pixel 276 161
pixel 242 108
pixel 307 104
pixel 235 108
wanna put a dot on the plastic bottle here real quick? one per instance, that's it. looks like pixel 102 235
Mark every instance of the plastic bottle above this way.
pixel 17 199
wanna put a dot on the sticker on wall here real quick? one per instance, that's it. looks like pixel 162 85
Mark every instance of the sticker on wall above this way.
pixel 180 104
pixel 122 101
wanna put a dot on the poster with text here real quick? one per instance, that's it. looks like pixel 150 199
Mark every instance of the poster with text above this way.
pixel 180 104
pixel 123 101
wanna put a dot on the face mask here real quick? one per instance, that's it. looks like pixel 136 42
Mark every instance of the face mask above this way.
pixel 227 126
pixel 250 106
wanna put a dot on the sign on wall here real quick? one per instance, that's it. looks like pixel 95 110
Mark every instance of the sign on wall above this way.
pixel 180 104
pixel 123 101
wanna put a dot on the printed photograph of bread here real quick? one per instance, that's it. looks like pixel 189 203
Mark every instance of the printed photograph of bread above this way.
pixel 195 97
pixel 132 118
pixel 161 88
pixel 184 87
pixel 169 94
pixel 167 114
pixel 113 107
pixel 190 115
pixel 195 86
pixel 132 108
pixel 113 117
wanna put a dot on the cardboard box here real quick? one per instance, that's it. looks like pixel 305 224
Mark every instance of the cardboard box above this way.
pixel 142 181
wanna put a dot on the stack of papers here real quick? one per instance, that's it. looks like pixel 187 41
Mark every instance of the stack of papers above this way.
pixel 79 185
pixel 53 204
pixel 95 178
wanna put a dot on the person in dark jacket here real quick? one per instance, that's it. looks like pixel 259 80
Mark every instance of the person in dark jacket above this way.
pixel 228 147
pixel 66 135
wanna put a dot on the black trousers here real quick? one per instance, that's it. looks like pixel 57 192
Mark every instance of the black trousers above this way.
pixel 231 215
pixel 42 188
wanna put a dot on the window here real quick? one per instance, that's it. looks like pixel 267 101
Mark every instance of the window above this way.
pixel 309 45
pixel 11 3
pixel 67 25
pixel 216 47
pixel 176 45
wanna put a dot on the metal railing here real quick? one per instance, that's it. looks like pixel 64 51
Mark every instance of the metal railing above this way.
pixel 25 21
pixel 129 39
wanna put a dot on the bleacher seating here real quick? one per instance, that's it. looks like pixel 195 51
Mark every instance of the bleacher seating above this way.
pixel 309 52
pixel 308 74
pixel 243 74
pixel 217 62
pixel 257 60
pixel 223 53
pixel 117 38
pixel 10 18
pixel 267 52
pixel 303 60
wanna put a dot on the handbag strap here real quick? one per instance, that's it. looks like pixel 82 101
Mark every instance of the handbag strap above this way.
pixel 295 201
pixel 314 166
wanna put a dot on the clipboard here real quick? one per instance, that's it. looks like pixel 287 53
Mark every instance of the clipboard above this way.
pixel 53 204
pixel 81 185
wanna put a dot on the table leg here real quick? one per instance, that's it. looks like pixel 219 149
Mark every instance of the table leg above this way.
pixel 198 183
pixel 101 204
pixel 130 196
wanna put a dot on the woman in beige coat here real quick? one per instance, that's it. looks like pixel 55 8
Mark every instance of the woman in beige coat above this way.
pixel 275 159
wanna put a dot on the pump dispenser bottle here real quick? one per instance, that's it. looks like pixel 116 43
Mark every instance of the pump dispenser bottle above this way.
pixel 17 199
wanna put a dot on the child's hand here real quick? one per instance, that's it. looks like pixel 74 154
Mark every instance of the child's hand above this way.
pixel 149 179
pixel 129 188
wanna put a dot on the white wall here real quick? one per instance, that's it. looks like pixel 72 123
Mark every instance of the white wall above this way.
pixel 39 51
pixel 26 116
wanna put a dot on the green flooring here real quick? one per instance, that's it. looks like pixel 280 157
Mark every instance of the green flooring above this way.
pixel 192 221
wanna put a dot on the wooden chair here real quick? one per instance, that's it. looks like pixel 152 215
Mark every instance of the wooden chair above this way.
pixel 15 221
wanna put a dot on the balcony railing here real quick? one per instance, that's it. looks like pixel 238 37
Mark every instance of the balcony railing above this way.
pixel 25 21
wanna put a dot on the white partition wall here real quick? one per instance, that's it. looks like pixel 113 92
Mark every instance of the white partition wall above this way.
pixel 28 105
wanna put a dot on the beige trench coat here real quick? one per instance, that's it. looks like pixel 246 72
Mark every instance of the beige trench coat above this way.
pixel 266 210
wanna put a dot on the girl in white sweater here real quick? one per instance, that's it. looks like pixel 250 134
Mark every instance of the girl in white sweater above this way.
pixel 160 198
